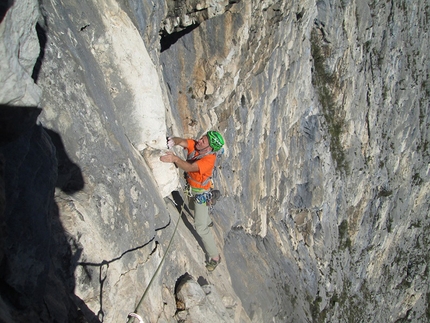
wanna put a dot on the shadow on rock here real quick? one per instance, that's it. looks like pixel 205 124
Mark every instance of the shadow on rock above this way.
pixel 36 261
pixel 4 7
pixel 186 213
pixel 69 177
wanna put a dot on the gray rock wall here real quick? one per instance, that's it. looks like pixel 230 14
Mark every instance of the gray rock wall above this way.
pixel 324 108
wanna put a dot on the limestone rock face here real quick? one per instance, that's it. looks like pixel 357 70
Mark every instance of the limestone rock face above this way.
pixel 324 106
pixel 201 303
pixel 19 50
pixel 183 14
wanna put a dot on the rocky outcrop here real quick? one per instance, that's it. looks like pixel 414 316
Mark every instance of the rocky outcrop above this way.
pixel 200 302
pixel 19 49
pixel 324 108
pixel 183 14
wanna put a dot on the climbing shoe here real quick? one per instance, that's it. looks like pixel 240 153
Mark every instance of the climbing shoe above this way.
pixel 212 264
pixel 216 194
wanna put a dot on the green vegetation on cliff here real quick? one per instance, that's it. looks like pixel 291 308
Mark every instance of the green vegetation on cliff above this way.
pixel 326 83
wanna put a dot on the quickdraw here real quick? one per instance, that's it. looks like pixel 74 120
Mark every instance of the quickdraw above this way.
pixel 187 191
pixel 203 198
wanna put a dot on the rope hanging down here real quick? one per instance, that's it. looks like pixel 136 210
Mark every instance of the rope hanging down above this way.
pixel 156 271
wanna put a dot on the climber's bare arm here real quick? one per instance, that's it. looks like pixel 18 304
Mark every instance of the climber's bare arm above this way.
pixel 182 164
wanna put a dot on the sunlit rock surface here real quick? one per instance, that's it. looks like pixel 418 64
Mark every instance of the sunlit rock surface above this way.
pixel 324 106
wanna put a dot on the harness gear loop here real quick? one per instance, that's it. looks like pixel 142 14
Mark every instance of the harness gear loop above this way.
pixel 203 197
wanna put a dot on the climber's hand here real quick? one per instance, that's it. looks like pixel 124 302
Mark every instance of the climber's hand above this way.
pixel 169 157
pixel 170 142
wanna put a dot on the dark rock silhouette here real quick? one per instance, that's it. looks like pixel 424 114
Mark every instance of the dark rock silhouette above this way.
pixel 36 268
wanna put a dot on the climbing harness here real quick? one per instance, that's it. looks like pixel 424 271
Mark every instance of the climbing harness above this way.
pixel 200 198
pixel 204 183
pixel 209 197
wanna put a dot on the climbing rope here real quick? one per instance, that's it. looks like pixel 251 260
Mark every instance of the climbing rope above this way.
pixel 200 198
pixel 156 272
pixel 104 265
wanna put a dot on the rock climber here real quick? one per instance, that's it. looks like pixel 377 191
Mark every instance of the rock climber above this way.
pixel 198 167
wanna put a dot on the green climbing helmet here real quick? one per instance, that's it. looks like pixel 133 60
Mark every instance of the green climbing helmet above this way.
pixel 216 141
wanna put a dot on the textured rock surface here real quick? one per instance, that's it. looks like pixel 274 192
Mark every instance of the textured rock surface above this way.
pixel 200 302
pixel 325 110
pixel 19 50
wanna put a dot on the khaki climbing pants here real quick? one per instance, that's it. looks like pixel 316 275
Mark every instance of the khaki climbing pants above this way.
pixel 201 223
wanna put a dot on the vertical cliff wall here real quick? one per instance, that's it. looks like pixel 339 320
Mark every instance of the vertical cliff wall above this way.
pixel 324 108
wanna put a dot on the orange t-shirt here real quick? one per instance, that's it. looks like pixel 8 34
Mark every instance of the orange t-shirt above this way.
pixel 206 165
